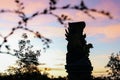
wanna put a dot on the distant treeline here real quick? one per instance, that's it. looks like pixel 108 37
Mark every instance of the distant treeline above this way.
pixel 38 76
pixel 29 76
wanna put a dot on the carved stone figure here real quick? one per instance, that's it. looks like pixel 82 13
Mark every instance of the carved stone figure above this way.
pixel 78 64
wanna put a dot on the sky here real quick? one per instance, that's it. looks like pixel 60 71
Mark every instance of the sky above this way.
pixel 102 32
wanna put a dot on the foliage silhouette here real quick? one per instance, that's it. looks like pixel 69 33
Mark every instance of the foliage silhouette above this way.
pixel 25 52
pixel 22 24
pixel 27 57
pixel 39 76
pixel 26 76
pixel 114 66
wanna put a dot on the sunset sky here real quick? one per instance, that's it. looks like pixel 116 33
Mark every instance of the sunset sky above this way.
pixel 103 33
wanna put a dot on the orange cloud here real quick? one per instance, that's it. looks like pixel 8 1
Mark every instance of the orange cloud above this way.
pixel 32 6
pixel 110 32
pixel 7 4
pixel 52 31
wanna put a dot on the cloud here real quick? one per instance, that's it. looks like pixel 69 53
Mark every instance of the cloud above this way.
pixel 9 18
pixel 36 5
pixel 50 31
pixel 42 19
pixel 110 32
pixel 7 4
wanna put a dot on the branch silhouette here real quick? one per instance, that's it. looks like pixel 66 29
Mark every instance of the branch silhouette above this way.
pixel 22 24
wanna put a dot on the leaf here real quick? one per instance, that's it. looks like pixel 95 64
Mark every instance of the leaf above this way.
pixel 21 3
pixel 103 12
pixel 62 15
pixel 76 7
pixel 11 33
pixel 53 1
pixel 47 46
pixel 25 20
pixel 65 17
pixel 83 6
pixel 5 40
pixel 65 7
pixel 2 11
pixel 24 36
pixel 38 34
pixel 45 11
pixel 94 10
pixel 22 8
pixel 60 20
pixel 7 47
pixel 35 14
pixel 52 8
pixel 19 22
pixel 107 13
pixel 48 40
pixel 17 1
pixel 82 3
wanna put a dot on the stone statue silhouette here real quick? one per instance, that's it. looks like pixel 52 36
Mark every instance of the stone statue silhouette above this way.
pixel 77 58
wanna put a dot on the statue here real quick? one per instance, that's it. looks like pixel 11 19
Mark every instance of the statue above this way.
pixel 78 65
